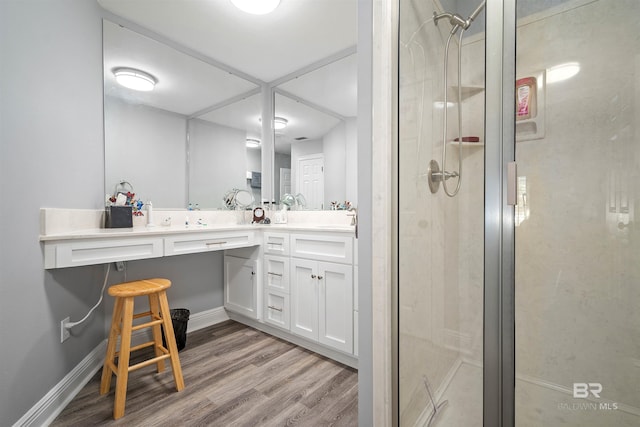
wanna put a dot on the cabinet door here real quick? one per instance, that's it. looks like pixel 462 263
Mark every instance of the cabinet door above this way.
pixel 240 286
pixel 336 305
pixel 276 273
pixel 304 298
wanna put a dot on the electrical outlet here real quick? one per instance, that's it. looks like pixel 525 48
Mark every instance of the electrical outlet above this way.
pixel 64 332
pixel 119 265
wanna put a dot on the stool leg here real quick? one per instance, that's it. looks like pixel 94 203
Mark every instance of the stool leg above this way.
pixel 171 340
pixel 154 307
pixel 109 360
pixel 123 359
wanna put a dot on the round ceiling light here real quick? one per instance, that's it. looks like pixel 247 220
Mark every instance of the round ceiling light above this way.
pixel 253 143
pixel 562 72
pixel 280 123
pixel 135 79
pixel 256 7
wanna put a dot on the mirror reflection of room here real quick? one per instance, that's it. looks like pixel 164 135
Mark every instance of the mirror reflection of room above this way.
pixel 187 142
pixel 199 136
pixel 315 153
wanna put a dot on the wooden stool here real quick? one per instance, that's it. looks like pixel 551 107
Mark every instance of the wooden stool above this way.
pixel 122 325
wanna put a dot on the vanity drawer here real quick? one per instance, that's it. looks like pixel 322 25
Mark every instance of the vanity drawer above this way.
pixel 75 253
pixel 205 242
pixel 276 309
pixel 322 247
pixel 276 243
pixel 276 273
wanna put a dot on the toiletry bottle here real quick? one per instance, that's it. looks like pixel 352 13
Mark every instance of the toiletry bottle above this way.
pixel 150 214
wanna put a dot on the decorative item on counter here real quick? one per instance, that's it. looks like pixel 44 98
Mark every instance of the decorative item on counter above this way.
pixel 296 202
pixel 280 217
pixel 166 222
pixel 121 206
pixel 258 215
pixel 337 206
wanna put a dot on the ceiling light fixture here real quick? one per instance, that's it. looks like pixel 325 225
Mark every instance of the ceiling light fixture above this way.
pixel 562 72
pixel 280 123
pixel 135 79
pixel 256 7
pixel 253 143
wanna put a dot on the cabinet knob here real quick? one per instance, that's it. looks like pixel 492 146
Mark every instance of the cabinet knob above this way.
pixel 319 277
pixel 313 276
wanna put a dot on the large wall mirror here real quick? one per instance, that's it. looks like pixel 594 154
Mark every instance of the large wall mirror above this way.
pixel 316 152
pixel 218 72
pixel 185 141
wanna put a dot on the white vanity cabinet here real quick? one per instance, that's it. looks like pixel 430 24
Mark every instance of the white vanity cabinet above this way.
pixel 322 291
pixel 276 300
pixel 241 286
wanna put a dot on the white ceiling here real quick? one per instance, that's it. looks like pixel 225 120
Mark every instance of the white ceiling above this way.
pixel 296 34
pixel 299 33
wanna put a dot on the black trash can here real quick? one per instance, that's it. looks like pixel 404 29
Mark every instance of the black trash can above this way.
pixel 179 320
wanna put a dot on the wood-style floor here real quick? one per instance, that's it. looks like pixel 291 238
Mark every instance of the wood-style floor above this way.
pixel 234 376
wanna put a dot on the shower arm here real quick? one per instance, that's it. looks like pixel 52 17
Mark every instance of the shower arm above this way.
pixel 458 21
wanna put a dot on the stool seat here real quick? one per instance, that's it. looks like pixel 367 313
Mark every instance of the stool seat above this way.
pixel 139 288
pixel 117 362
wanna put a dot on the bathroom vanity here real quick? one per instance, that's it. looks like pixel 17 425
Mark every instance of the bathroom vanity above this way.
pixel 294 281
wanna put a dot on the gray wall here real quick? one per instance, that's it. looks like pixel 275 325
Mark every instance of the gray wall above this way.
pixel 217 162
pixel 52 155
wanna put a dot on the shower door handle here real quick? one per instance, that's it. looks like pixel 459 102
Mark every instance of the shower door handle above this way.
pixel 512 183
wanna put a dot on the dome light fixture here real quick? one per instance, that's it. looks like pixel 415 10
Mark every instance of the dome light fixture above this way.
pixel 280 123
pixel 253 143
pixel 256 7
pixel 562 72
pixel 135 79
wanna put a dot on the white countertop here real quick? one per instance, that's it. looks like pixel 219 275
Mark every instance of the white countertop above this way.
pixel 163 230
pixel 75 224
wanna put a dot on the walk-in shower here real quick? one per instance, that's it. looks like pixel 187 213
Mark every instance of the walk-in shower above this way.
pixel 522 315
pixel 434 175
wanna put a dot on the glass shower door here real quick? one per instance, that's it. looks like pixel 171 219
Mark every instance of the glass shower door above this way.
pixel 577 250
pixel 440 240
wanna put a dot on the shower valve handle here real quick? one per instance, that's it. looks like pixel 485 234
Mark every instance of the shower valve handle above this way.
pixel 437 176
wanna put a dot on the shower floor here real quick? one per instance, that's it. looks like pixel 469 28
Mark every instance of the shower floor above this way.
pixel 537 404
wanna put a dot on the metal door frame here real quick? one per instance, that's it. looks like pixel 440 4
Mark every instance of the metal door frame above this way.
pixel 499 236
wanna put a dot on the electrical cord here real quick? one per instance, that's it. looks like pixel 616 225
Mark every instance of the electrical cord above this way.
pixel 104 285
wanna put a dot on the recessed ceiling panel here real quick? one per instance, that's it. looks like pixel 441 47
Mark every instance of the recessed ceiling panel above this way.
pixel 243 115
pixel 185 84
pixel 303 121
pixel 334 86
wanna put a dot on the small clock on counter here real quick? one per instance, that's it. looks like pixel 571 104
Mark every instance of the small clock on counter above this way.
pixel 258 215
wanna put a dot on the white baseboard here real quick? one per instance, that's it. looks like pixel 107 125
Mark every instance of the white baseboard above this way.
pixel 52 404
pixel 207 318
pixel 336 355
